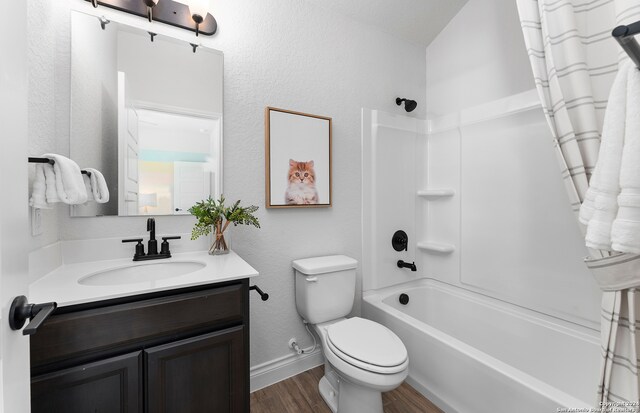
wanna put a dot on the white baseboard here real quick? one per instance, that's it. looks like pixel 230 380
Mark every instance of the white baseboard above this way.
pixel 276 370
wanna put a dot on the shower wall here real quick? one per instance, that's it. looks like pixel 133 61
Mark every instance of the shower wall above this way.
pixel 477 186
pixel 392 169
pixel 514 234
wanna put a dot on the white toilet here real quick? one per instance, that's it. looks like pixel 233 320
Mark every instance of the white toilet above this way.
pixel 362 358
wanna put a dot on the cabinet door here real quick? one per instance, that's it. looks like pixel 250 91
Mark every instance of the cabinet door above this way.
pixel 107 386
pixel 206 373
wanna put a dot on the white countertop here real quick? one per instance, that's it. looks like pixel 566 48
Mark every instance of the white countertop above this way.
pixel 61 285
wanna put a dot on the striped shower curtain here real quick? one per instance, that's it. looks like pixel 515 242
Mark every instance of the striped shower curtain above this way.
pixel 574 61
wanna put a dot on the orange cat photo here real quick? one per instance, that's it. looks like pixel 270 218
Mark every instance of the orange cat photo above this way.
pixel 301 189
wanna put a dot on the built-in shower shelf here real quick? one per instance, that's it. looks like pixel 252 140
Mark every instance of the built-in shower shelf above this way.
pixel 439 247
pixel 436 193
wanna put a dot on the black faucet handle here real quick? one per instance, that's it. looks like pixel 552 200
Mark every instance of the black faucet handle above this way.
pixel 139 247
pixel 164 247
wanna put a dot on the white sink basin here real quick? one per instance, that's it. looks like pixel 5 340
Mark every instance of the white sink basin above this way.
pixel 138 273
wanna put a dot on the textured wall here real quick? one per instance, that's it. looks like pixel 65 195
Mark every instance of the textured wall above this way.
pixel 42 98
pixel 292 55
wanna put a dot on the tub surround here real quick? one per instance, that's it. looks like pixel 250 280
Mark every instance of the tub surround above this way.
pixel 62 285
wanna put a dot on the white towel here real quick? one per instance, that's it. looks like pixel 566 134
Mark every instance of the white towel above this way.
pixel 68 180
pixel 600 206
pixel 625 232
pixel 39 191
pixel 97 189
pixel 51 187
pixel 87 186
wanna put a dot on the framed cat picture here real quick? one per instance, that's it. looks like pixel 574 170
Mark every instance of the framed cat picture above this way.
pixel 297 159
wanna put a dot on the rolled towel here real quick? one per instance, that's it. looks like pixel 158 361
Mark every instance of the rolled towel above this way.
pixel 87 186
pixel 68 180
pixel 625 232
pixel 98 186
pixel 51 187
pixel 39 191
pixel 600 205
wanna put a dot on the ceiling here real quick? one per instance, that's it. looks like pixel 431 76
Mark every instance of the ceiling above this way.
pixel 416 21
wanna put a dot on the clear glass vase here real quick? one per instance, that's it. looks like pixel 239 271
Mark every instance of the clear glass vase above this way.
pixel 221 242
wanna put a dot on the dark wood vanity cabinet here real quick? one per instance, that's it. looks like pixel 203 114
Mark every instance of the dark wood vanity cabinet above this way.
pixel 183 351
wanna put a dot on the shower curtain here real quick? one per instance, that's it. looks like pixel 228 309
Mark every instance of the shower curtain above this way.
pixel 574 61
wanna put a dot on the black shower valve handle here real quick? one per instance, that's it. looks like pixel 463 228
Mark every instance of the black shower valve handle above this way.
pixel 400 241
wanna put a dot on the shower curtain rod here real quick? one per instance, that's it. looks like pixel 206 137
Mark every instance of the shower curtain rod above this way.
pixel 625 37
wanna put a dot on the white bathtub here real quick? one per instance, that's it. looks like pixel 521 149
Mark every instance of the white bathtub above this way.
pixel 472 353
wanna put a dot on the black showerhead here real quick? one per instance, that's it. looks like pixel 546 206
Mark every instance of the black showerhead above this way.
pixel 409 105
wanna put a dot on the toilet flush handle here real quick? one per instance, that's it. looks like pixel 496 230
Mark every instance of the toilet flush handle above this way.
pixel 312 279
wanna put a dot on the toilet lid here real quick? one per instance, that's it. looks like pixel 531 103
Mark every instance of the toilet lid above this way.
pixel 371 345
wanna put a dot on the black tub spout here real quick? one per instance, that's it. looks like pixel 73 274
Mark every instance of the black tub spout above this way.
pixel 411 266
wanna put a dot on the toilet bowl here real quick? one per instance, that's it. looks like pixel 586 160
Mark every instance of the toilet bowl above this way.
pixel 360 368
pixel 362 358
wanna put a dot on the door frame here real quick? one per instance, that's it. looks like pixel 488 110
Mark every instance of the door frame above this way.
pixel 216 142
pixel 14 212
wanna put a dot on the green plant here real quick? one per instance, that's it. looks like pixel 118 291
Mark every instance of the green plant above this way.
pixel 212 214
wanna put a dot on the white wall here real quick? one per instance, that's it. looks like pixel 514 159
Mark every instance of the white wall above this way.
pixel 42 96
pixel 479 57
pixel 292 55
pixel 194 83
pixel 515 235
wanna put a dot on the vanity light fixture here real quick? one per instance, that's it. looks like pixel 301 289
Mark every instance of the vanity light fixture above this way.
pixel 199 10
pixel 172 12
pixel 150 5
pixel 103 22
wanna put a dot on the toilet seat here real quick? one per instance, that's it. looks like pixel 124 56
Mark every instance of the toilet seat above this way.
pixel 367 345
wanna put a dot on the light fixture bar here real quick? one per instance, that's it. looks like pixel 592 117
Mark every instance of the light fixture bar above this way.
pixel 166 11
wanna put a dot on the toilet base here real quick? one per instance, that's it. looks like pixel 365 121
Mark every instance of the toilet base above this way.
pixel 343 396
pixel 329 394
pixel 354 398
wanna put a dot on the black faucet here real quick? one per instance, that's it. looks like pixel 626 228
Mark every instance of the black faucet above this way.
pixel 412 266
pixel 152 253
pixel 153 244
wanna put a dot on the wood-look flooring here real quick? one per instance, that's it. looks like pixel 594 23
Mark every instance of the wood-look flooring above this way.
pixel 299 394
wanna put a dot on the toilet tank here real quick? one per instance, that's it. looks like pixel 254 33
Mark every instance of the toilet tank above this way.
pixel 325 287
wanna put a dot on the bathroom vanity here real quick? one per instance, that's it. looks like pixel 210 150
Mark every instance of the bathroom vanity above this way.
pixel 156 349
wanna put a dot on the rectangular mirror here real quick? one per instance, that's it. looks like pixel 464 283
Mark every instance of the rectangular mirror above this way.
pixel 148 115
